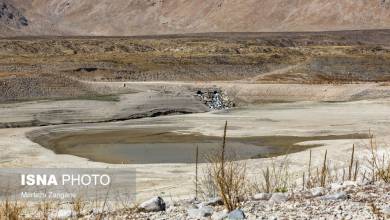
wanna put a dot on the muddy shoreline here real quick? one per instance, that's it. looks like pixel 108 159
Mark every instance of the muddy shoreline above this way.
pixel 164 145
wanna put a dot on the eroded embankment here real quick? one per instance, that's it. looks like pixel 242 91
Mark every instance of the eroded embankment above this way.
pixel 129 106
pixel 166 98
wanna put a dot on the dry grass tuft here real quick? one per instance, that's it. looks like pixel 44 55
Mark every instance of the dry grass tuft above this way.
pixel 276 178
pixel 78 205
pixel 326 174
pixel 227 176
pixel 11 210
pixel 376 211
pixel 321 176
pixel 379 162
pixel 44 209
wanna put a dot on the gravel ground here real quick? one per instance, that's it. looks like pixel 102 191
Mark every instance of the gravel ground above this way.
pixel 339 201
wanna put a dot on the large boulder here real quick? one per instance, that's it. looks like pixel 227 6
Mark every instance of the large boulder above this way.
pixel 155 204
pixel 236 215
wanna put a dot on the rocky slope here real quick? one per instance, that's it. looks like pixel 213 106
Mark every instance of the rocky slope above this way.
pixel 147 17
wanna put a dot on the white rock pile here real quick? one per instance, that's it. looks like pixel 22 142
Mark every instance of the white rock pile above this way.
pixel 214 98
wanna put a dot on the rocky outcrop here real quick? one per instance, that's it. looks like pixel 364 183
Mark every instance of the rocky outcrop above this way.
pixel 11 16
pixel 214 98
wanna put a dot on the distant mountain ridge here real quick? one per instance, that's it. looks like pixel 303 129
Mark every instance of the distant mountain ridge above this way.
pixel 149 17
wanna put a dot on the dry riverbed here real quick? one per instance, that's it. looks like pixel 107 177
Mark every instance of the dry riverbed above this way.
pixel 335 126
pixel 96 133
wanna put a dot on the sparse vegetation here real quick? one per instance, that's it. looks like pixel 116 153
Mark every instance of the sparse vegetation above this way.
pixel 276 178
pixel 78 205
pixel 228 176
pixel 11 210
pixel 196 171
pixel 376 211
pixel 44 209
pixel 379 162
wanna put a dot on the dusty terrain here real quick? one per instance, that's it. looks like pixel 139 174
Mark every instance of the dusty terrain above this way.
pixel 137 17
pixel 290 91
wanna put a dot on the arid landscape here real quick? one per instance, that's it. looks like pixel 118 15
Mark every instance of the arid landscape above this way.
pixel 67 67
pixel 144 103
pixel 151 17
pixel 303 87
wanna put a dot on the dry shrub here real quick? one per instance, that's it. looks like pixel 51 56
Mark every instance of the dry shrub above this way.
pixel 325 174
pixel 376 211
pixel 196 171
pixel 11 210
pixel 206 185
pixel 44 209
pixel 226 175
pixel 324 171
pixel 379 162
pixel 78 205
pixel 276 178
pixel 354 164
pixel 230 181
pixel 320 175
pixel 376 167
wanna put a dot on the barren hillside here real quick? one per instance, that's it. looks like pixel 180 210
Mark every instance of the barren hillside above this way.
pixel 42 67
pixel 144 17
